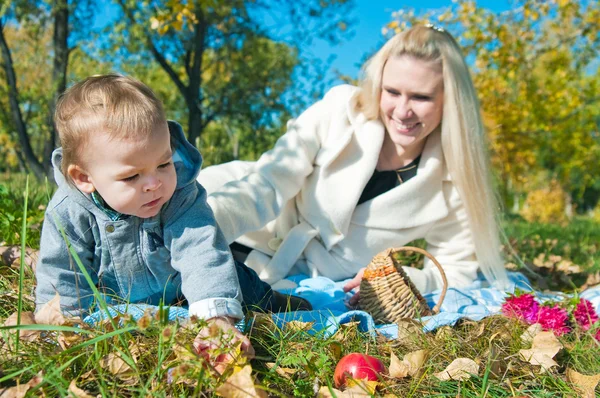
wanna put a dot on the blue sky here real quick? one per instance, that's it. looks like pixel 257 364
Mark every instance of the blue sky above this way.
pixel 371 16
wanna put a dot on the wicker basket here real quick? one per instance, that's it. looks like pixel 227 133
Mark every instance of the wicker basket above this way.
pixel 388 294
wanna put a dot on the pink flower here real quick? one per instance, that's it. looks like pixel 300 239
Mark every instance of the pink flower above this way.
pixel 522 307
pixel 585 314
pixel 555 319
pixel 597 336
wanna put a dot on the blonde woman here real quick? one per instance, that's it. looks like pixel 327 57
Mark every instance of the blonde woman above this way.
pixel 399 158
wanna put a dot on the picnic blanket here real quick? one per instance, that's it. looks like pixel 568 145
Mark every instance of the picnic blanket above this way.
pixel 328 299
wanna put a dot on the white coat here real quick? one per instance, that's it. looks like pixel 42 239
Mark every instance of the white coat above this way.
pixel 297 205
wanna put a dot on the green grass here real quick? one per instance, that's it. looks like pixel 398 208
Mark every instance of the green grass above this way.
pixel 157 358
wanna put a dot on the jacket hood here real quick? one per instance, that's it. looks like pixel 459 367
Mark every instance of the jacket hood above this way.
pixel 186 159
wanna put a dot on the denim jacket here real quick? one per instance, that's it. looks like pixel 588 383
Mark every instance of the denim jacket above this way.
pixel 180 250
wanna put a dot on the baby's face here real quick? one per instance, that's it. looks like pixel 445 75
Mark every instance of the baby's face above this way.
pixel 134 178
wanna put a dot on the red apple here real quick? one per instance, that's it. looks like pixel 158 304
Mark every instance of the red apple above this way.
pixel 357 366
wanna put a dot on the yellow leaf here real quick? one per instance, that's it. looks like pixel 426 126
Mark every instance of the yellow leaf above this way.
pixel 459 369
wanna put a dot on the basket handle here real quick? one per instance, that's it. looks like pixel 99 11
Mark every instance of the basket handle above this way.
pixel 435 309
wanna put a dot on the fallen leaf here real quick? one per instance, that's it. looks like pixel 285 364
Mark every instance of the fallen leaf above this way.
pixel 409 330
pixel 298 326
pixel 584 385
pixel 27 318
pixel 354 392
pixel 398 369
pixel 346 332
pixel 361 386
pixel 544 347
pixel 115 365
pixel 335 348
pixel 50 313
pixel 415 361
pixel 409 366
pixel 241 385
pixel 530 333
pixel 459 369
pixel 78 392
pixel 285 372
pixel 21 390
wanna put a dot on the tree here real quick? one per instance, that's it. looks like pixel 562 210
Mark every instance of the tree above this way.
pixel 34 19
pixel 535 69
pixel 225 64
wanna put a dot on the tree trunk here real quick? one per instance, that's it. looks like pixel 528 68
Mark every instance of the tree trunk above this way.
pixel 194 93
pixel 59 73
pixel 13 97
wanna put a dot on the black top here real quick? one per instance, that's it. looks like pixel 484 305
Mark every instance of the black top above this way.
pixel 383 181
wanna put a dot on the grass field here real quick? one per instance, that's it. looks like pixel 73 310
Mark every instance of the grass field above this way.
pixel 152 357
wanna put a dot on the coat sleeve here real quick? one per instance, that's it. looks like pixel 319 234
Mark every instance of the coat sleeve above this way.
pixel 57 271
pixel 249 203
pixel 201 255
pixel 450 241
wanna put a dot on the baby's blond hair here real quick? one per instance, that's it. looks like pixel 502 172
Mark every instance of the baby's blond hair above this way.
pixel 120 106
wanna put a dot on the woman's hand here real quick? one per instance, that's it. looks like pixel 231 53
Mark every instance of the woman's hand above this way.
pixel 221 331
pixel 354 284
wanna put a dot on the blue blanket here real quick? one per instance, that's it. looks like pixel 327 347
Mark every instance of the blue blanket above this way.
pixel 474 302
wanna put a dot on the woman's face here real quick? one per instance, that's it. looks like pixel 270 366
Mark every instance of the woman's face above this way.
pixel 411 103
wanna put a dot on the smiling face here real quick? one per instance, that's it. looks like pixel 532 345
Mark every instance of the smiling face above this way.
pixel 411 103
pixel 134 178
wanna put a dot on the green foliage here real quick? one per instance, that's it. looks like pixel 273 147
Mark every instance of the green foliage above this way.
pixel 546 205
pixel 12 189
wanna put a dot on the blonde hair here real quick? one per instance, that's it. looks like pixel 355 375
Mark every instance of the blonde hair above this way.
pixel 112 104
pixel 463 137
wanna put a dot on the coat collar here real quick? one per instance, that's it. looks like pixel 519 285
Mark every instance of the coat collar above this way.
pixel 348 169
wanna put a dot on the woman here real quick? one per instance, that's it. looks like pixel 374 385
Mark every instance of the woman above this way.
pixel 364 169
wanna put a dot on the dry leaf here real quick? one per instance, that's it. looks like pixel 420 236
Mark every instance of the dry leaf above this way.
pixel 459 369
pixel 530 333
pixel 544 347
pixel 354 392
pixel 409 329
pixel 346 332
pixel 115 365
pixel 285 372
pixel 362 387
pixel 27 318
pixel 78 392
pixel 415 361
pixel 21 390
pixel 398 369
pixel 241 385
pixel 409 366
pixel 50 313
pixel 298 326
pixel 584 385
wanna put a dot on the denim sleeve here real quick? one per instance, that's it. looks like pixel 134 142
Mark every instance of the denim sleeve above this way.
pixel 57 271
pixel 201 255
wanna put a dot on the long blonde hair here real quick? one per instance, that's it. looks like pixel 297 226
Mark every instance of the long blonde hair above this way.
pixel 463 137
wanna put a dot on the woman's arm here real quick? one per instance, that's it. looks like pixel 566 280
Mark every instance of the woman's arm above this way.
pixel 248 204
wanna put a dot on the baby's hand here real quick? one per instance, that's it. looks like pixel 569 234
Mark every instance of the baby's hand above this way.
pixel 221 331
